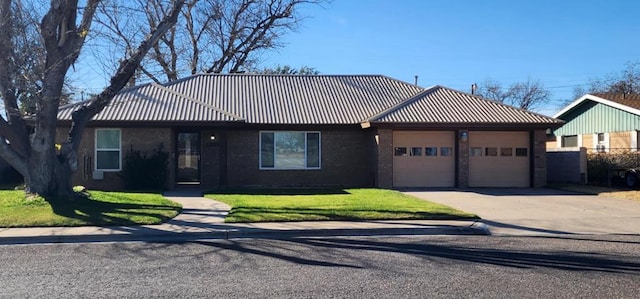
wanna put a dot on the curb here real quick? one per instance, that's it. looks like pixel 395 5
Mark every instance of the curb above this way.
pixel 476 228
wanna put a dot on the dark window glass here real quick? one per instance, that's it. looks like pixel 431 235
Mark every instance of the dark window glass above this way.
pixel 570 141
pixel 521 151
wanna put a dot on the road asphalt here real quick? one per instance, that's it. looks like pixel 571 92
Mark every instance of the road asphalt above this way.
pixel 203 218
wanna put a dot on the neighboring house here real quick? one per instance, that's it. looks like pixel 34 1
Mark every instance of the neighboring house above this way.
pixel 295 130
pixel 600 123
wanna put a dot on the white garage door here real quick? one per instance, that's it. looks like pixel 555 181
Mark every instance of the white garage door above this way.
pixel 423 159
pixel 499 159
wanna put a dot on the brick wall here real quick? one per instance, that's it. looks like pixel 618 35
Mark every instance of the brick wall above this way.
pixel 384 171
pixel 540 158
pixel 344 161
pixel 463 160
pixel 143 139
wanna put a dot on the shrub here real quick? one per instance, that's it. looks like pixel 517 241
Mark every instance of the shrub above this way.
pixel 601 165
pixel 145 171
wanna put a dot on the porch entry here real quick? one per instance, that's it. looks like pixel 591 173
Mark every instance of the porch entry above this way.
pixel 188 158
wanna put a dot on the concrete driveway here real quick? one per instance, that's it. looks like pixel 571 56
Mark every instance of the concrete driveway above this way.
pixel 541 211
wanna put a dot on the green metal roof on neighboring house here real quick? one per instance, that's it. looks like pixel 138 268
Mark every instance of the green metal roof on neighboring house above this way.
pixel 602 113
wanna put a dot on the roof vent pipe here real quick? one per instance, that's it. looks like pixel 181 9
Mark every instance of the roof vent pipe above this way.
pixel 474 88
pixel 416 80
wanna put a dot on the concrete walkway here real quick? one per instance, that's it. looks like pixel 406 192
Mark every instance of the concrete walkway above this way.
pixel 203 218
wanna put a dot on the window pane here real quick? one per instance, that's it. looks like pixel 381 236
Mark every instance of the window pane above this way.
pixel 313 149
pixel 446 151
pixel 431 151
pixel 108 160
pixel 476 151
pixel 108 139
pixel 491 151
pixel 570 141
pixel 400 151
pixel 266 150
pixel 416 151
pixel 290 148
pixel 521 151
pixel 506 151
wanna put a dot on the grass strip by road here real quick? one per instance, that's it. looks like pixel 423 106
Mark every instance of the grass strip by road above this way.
pixel 101 209
pixel 278 205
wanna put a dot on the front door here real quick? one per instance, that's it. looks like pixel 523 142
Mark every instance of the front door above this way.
pixel 188 157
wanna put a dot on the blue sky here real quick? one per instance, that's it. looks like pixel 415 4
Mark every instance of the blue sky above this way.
pixel 457 43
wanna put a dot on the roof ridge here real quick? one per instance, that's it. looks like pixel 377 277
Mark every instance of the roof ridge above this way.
pixel 598 99
pixel 402 104
pixel 126 89
pixel 237 117
pixel 497 102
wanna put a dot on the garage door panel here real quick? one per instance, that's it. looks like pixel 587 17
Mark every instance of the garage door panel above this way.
pixel 499 159
pixel 428 169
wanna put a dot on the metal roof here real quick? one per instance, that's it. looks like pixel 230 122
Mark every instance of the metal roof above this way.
pixel 302 99
pixel 443 105
pixel 631 100
pixel 257 98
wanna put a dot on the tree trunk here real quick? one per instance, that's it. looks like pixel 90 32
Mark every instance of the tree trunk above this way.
pixel 49 175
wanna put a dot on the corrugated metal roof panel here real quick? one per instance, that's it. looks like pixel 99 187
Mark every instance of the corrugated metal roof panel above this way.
pixel 297 99
pixel 444 105
pixel 301 99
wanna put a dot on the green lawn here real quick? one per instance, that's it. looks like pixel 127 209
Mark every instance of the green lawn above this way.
pixel 330 204
pixel 102 208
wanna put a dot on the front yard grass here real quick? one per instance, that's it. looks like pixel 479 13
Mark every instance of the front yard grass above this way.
pixel 275 205
pixel 101 208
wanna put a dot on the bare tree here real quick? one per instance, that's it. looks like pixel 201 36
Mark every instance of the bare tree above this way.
pixel 288 70
pixel 493 90
pixel 626 81
pixel 214 36
pixel 529 95
pixel 29 148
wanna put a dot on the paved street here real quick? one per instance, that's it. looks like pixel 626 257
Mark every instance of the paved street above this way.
pixel 529 211
pixel 347 267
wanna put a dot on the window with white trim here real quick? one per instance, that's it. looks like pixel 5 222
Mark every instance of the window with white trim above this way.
pixel 108 150
pixel 289 150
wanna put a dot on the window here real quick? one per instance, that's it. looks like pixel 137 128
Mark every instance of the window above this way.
pixel 600 138
pixel 506 151
pixel 400 151
pixel 491 151
pixel 521 151
pixel 445 151
pixel 476 151
pixel 416 151
pixel 108 149
pixel 570 141
pixel 290 150
pixel 431 151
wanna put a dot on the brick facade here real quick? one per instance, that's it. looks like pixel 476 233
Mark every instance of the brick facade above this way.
pixel 384 171
pixel 344 161
pixel 350 157
pixel 463 160
pixel 143 139
pixel 540 158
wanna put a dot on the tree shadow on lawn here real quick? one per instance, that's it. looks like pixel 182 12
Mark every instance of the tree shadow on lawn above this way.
pixel 343 215
pixel 95 212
